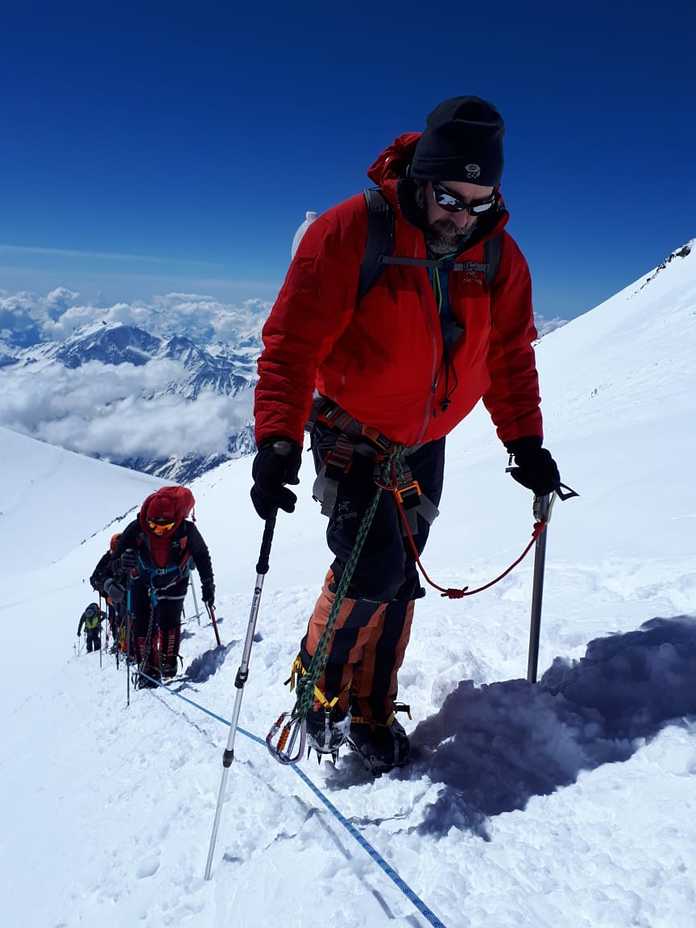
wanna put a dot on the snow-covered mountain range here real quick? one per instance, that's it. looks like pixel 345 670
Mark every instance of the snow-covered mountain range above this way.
pixel 568 804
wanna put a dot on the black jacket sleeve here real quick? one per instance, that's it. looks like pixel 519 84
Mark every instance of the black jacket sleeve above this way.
pixel 128 539
pixel 199 553
pixel 102 571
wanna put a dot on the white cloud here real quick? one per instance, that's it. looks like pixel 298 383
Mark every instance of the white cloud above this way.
pixel 109 410
pixel 27 318
pixel 109 255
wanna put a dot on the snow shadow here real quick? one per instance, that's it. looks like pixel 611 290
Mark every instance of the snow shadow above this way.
pixel 208 663
pixel 494 747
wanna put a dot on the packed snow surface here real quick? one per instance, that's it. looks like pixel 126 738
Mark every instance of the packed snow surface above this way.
pixel 569 804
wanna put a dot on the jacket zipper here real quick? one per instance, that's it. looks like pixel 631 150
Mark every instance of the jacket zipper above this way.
pixel 435 366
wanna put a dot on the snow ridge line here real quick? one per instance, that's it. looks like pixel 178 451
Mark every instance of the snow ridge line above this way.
pixel 412 896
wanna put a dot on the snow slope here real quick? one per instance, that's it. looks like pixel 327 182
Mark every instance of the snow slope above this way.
pixel 57 498
pixel 570 804
pixel 52 502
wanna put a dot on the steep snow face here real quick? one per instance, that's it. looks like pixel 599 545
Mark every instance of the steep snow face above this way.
pixel 51 500
pixel 629 360
pixel 566 804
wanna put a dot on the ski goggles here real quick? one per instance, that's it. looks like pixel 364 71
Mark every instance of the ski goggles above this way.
pixel 452 203
pixel 160 528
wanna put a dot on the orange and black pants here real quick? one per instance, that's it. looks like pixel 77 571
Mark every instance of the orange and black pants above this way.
pixel 374 622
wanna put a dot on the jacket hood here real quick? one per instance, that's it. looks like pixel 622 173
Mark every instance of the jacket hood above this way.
pixel 170 503
pixel 391 164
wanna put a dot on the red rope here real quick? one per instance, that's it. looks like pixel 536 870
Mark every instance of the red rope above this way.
pixel 465 591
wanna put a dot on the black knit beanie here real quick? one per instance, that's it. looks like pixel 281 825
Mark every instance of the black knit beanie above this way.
pixel 463 141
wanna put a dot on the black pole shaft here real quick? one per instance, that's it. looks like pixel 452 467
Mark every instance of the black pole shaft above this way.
pixel 129 605
pixel 101 643
pixel 266 542
pixel 542 509
pixel 537 594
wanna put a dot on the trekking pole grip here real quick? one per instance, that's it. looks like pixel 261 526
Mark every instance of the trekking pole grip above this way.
pixel 267 541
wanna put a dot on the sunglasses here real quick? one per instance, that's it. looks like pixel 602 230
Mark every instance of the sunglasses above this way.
pixel 160 528
pixel 452 203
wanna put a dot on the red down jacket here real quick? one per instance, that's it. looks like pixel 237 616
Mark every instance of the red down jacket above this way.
pixel 382 360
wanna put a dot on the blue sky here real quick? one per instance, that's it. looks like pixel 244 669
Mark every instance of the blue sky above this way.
pixel 177 146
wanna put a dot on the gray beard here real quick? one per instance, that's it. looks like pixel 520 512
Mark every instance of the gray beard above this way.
pixel 445 238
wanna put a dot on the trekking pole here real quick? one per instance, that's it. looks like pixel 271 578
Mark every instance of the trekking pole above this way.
pixel 242 675
pixel 195 600
pixel 101 666
pixel 129 602
pixel 542 513
pixel 211 613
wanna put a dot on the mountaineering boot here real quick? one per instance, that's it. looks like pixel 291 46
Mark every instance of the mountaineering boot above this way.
pixel 328 719
pixel 327 729
pixel 381 746
pixel 169 653
pixel 169 667
pixel 146 665
pixel 144 682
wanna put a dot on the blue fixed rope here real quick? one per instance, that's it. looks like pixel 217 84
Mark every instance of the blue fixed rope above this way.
pixel 412 896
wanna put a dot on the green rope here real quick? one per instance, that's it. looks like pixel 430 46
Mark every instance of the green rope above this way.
pixel 306 683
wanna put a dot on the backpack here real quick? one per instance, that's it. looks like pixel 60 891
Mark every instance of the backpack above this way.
pixel 379 247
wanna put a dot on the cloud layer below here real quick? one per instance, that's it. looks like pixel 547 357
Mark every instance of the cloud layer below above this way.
pixel 120 411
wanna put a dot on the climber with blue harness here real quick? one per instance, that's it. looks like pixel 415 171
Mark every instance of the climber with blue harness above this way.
pixel 157 552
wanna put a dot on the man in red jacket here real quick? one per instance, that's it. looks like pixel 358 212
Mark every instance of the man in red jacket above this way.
pixel 401 364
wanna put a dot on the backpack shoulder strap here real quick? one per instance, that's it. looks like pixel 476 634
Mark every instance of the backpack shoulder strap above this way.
pixel 380 239
pixel 492 249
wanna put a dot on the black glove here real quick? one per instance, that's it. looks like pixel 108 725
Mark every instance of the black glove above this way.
pixel 535 469
pixel 114 591
pixel 78 634
pixel 129 560
pixel 208 591
pixel 277 462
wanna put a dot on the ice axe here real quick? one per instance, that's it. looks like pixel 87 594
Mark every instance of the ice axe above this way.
pixel 542 513
pixel 211 613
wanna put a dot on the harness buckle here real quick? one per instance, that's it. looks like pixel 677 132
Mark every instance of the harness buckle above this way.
pixel 338 460
pixel 381 441
pixel 409 495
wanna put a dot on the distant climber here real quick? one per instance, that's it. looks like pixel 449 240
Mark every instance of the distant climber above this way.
pixel 91 619
pixel 155 553
pixel 109 580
